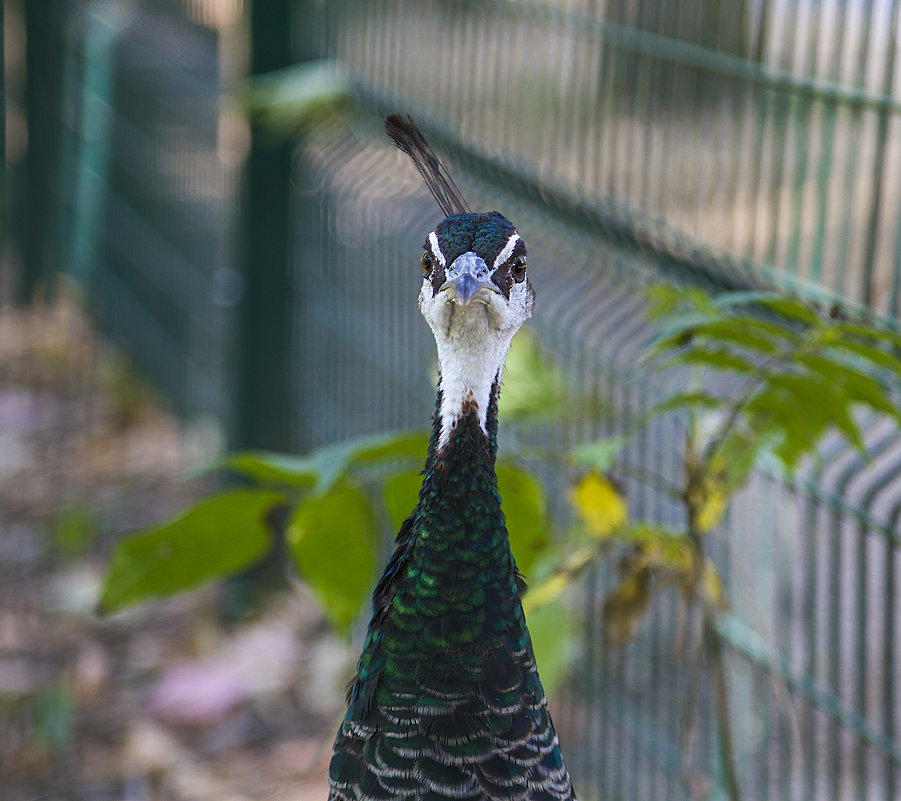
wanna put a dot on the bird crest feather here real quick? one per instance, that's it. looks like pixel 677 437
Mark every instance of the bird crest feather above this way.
pixel 407 136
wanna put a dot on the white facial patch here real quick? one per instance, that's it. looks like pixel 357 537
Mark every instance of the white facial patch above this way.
pixel 436 249
pixel 507 251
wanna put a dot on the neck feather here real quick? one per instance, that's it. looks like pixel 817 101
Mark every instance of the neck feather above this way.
pixel 481 436
pixel 468 383
pixel 459 502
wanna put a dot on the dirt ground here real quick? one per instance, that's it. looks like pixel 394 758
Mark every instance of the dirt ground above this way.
pixel 163 702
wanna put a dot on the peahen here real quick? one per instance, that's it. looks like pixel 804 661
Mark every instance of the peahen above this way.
pixel 446 702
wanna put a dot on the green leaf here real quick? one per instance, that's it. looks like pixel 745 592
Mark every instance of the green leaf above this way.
pixel 215 538
pixel 525 509
pixel 750 332
pixel 872 354
pixel 394 445
pixel 324 466
pixel 810 390
pixel 796 411
pixel 706 356
pixel 332 538
pixel 872 332
pixel 665 299
pixel 274 469
pixel 54 718
pixel 782 305
pixel 688 400
pixel 401 494
pixel 600 454
pixel 793 309
pixel 658 545
pixel 285 100
pixel 675 331
pixel 857 386
pixel 554 636
pixel 729 300
pixel 737 455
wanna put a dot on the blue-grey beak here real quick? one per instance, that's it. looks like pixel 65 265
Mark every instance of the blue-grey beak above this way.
pixel 466 276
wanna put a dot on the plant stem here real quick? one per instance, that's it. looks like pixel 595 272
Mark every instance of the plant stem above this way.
pixel 721 705
pixel 714 648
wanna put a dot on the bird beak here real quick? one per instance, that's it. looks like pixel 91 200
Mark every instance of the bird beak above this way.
pixel 466 276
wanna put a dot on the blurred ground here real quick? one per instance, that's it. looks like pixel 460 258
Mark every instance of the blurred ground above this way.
pixel 163 702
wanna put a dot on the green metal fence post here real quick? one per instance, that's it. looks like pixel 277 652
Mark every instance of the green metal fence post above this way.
pixel 262 376
pixel 37 98
pixel 4 187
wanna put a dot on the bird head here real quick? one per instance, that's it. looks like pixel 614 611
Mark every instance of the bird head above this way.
pixel 475 293
pixel 474 284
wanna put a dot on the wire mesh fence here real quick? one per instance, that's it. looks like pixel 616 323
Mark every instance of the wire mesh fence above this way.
pixel 715 143
pixel 628 142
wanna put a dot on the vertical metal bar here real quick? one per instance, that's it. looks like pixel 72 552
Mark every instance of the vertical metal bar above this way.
pixel 860 649
pixel 890 653
pixel 744 214
pixel 3 181
pixel 827 157
pixel 809 608
pixel 592 668
pixel 894 305
pixel 784 106
pixel 845 233
pixel 263 386
pixel 781 709
pixel 878 177
pixel 833 639
pixel 801 124
pixel 39 98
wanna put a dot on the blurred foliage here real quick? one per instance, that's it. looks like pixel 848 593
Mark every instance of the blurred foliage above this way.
pixel 773 377
pixel 333 540
pixel 74 530
pixel 288 100
pixel 796 374
pixel 217 537
pixel 534 390
pixel 336 496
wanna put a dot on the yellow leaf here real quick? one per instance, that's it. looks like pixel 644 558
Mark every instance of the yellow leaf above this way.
pixel 625 606
pixel 712 585
pixel 600 507
pixel 546 591
pixel 712 505
pixel 579 558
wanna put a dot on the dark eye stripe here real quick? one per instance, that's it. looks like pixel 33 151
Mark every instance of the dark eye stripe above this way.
pixel 438 278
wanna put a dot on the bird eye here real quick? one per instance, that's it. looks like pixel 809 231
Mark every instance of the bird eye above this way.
pixel 427 264
pixel 518 268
